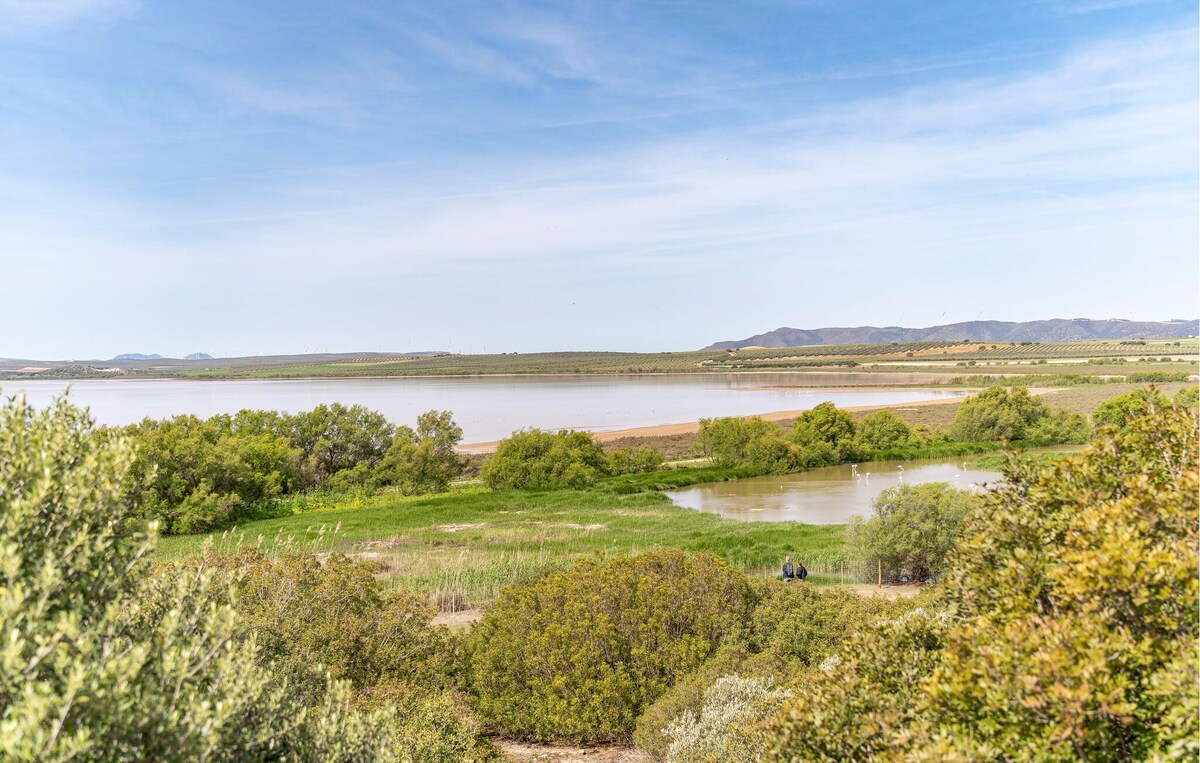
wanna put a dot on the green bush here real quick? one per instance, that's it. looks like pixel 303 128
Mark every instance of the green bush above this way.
pixel 634 461
pixel 792 629
pixel 826 424
pixel 1076 611
pixel 997 413
pixel 748 443
pixel 882 430
pixel 578 655
pixel 1156 377
pixel 103 662
pixel 1121 410
pixel 334 612
pixel 913 529
pixel 423 460
pixel 194 475
pixel 1000 413
pixel 795 627
pixel 539 460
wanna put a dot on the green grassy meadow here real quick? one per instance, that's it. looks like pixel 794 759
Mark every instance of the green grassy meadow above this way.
pixel 461 547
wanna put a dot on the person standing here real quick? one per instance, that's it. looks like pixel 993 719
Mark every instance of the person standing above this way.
pixel 789 570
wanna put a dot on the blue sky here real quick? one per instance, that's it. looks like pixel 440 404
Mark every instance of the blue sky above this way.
pixel 274 177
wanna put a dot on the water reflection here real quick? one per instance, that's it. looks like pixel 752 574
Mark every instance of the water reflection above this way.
pixel 828 496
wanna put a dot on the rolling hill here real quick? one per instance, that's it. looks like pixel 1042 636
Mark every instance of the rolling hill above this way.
pixel 1053 330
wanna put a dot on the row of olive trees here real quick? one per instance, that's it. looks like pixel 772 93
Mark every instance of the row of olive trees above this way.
pixel 194 475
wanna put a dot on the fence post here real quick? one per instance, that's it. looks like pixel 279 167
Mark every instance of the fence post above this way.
pixel 881 573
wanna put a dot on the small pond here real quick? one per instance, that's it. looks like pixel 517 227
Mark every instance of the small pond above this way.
pixel 828 496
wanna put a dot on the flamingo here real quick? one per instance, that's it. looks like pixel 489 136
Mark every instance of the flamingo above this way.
pixel 901 468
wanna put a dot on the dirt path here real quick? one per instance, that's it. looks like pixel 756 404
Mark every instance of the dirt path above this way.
pixel 519 752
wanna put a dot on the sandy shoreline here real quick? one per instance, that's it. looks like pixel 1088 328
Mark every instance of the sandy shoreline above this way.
pixel 690 427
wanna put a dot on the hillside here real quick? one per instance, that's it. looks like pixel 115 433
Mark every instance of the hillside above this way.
pixel 1054 330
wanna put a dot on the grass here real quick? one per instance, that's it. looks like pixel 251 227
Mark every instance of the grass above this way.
pixel 461 548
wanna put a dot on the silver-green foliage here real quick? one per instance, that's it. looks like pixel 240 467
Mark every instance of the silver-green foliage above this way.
pixel 729 726
pixel 102 662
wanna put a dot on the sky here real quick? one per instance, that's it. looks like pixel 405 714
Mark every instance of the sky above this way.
pixel 249 177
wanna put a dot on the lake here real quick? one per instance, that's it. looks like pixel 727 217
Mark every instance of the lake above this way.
pixel 487 408
pixel 826 496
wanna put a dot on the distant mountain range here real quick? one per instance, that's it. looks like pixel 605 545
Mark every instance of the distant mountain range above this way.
pixel 1054 330
pixel 156 356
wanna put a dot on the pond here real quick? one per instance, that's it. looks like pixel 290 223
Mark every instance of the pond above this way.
pixel 827 496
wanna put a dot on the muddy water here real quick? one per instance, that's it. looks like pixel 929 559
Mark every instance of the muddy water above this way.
pixel 828 496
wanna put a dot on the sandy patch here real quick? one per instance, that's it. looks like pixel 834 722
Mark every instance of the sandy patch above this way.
pixel 460 528
pixel 520 752
pixel 888 592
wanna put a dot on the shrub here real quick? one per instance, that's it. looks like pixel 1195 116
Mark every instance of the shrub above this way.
pixel 1156 377
pixel 824 424
pixel 748 443
pixel 105 663
pixel 423 460
pixel 727 729
pixel 1121 410
pixel 1059 427
pixel 334 612
pixel 337 437
pixel 1188 397
pixel 913 529
pixel 535 459
pixel 195 475
pixel 1076 605
pixel 797 626
pixel 997 413
pixel 578 655
pixel 634 460
pixel 882 430
pixel 686 696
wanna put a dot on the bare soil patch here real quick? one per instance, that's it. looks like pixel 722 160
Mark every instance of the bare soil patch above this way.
pixel 520 752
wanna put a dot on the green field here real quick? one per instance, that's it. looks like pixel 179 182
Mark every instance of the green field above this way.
pixel 461 547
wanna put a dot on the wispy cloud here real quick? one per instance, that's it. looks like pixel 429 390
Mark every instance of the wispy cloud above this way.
pixel 50 12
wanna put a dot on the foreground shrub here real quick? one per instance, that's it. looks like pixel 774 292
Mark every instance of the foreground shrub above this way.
pixel 728 728
pixel 102 662
pixel 333 612
pixel 1075 600
pixel 792 629
pixel 540 460
pixel 913 528
pixel 578 655
pixel 795 627
pixel 686 696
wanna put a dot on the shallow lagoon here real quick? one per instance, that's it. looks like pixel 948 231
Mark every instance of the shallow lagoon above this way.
pixel 487 408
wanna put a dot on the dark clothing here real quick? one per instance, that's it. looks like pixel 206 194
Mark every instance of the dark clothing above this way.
pixel 802 575
pixel 789 572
